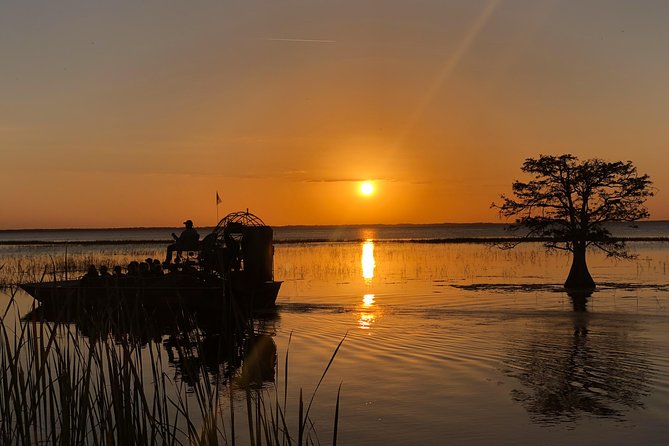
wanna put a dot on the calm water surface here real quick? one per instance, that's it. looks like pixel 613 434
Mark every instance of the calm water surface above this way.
pixel 324 233
pixel 467 343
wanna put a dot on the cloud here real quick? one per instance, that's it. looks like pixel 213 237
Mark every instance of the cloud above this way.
pixel 276 39
pixel 346 180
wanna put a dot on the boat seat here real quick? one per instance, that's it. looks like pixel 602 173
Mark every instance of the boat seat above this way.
pixel 190 256
pixel 190 253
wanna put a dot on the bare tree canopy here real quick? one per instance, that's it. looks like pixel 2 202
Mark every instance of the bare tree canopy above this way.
pixel 570 201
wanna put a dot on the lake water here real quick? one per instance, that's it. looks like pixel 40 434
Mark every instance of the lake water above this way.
pixel 455 343
pixel 404 232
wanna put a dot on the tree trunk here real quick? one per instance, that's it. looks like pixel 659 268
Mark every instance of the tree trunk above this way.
pixel 579 277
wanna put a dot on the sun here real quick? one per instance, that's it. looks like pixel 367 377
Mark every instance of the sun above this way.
pixel 367 188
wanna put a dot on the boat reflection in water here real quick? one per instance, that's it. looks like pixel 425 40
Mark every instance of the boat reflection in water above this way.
pixel 367 314
pixel 583 364
pixel 198 346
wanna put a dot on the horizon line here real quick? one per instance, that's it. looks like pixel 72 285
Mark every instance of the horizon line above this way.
pixel 283 226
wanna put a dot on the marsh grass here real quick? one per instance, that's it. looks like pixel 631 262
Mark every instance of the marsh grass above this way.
pixel 59 387
pixel 24 264
pixel 338 262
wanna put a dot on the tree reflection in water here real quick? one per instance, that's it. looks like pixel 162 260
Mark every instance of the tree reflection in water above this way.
pixel 585 365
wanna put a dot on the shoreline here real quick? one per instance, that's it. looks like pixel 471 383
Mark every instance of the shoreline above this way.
pixel 301 226
pixel 452 240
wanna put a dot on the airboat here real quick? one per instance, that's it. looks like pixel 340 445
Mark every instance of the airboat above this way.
pixel 233 266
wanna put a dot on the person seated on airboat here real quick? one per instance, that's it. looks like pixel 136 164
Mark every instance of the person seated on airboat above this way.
pixel 189 240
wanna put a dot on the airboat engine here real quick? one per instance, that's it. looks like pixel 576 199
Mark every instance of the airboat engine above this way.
pixel 241 245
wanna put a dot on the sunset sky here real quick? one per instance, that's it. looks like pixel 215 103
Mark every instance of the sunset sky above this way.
pixel 134 113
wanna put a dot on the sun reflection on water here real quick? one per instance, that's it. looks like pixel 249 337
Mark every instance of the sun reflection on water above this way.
pixel 367 300
pixel 366 320
pixel 368 263
pixel 367 315
pixel 367 310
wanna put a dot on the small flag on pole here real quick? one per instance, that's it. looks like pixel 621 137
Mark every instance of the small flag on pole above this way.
pixel 218 201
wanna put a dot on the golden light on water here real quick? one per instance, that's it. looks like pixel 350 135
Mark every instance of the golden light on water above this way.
pixel 367 311
pixel 366 320
pixel 368 263
pixel 367 316
pixel 367 300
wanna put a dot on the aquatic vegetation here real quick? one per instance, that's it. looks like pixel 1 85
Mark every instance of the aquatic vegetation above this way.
pixel 38 263
pixel 101 381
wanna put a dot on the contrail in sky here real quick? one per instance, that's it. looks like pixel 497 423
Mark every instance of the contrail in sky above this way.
pixel 302 40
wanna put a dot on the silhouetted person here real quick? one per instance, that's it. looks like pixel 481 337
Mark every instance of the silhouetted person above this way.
pixel 117 275
pixel 144 269
pixel 91 277
pixel 156 268
pixel 92 271
pixel 231 254
pixel 208 252
pixel 187 241
pixel 105 277
pixel 104 272
pixel 118 271
pixel 133 269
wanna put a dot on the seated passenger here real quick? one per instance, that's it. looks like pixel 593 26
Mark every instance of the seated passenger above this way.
pixel 91 277
pixel 187 241
pixel 105 276
pixel 92 271
pixel 156 268
pixel 133 269
pixel 144 269
pixel 104 272
pixel 208 252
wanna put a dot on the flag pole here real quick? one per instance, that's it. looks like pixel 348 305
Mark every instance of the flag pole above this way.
pixel 218 201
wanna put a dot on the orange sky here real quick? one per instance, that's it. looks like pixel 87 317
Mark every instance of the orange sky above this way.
pixel 134 113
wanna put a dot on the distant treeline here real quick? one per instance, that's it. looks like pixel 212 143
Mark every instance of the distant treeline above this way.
pixel 490 240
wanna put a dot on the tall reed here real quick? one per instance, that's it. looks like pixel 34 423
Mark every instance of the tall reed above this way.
pixel 113 388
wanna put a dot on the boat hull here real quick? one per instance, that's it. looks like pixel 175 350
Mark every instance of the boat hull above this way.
pixel 195 293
